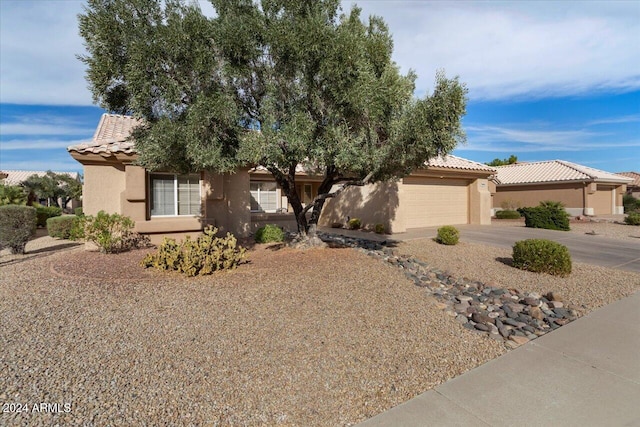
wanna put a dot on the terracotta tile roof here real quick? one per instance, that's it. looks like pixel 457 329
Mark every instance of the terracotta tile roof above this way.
pixel 18 177
pixel 553 171
pixel 113 131
pixel 111 136
pixel 454 162
pixel 633 175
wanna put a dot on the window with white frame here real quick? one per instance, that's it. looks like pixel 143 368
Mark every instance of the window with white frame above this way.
pixel 173 195
pixel 264 196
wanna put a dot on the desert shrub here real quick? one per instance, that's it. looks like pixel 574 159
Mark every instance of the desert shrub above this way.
pixel 380 228
pixel 17 226
pixel 269 233
pixel 12 195
pixel 61 226
pixel 633 218
pixel 448 235
pixel 204 255
pixel 354 224
pixel 630 203
pixel 542 256
pixel 112 233
pixel 78 211
pixel 549 215
pixel 507 214
pixel 45 212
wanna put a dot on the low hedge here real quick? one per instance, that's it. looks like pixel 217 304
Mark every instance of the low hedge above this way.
pixel 548 215
pixel 542 256
pixel 633 218
pixel 269 233
pixel 62 227
pixel 448 235
pixel 46 212
pixel 17 226
pixel 508 214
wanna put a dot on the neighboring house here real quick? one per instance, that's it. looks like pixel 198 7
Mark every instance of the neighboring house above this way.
pixel 633 188
pixel 18 177
pixel 583 190
pixel 449 191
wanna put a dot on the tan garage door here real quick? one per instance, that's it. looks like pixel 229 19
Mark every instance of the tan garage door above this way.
pixel 432 201
pixel 603 200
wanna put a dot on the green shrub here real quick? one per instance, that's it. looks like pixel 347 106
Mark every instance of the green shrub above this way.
pixel 112 233
pixel 46 212
pixel 17 226
pixel 61 226
pixel 542 256
pixel 549 215
pixel 12 195
pixel 354 224
pixel 508 214
pixel 380 228
pixel 448 235
pixel 78 211
pixel 204 255
pixel 269 233
pixel 630 203
pixel 633 218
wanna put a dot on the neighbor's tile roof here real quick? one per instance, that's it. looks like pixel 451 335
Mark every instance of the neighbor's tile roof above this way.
pixel 111 136
pixel 454 162
pixel 633 175
pixel 552 171
pixel 18 177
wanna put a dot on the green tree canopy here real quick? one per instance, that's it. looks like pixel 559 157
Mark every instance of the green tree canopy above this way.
pixel 498 162
pixel 53 186
pixel 278 83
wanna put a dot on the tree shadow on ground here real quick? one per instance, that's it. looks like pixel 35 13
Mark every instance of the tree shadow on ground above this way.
pixel 505 260
pixel 38 253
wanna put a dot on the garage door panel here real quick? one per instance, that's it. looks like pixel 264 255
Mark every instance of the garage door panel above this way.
pixel 603 199
pixel 432 202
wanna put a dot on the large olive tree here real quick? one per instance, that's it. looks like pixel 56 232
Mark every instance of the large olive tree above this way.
pixel 276 83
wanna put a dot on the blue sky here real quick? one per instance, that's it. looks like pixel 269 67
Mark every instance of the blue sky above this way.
pixel 547 80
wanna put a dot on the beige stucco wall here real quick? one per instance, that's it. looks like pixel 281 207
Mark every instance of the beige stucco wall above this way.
pixel 103 187
pixel 372 204
pixel 227 202
pixel 480 202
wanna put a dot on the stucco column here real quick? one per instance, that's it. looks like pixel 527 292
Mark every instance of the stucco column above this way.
pixel 480 197
pixel 134 195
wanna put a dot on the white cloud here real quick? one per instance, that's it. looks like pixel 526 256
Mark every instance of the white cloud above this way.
pixel 500 49
pixel 42 165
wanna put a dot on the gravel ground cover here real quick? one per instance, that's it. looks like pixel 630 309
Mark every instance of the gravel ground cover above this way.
pixel 603 228
pixel 588 287
pixel 317 337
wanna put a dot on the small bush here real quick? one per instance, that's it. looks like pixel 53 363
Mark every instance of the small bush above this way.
pixel 380 228
pixel 17 226
pixel 630 203
pixel 549 215
pixel 78 211
pixel 12 195
pixel 204 255
pixel 354 224
pixel 633 218
pixel 61 226
pixel 269 233
pixel 508 214
pixel 448 235
pixel 46 212
pixel 542 256
pixel 112 233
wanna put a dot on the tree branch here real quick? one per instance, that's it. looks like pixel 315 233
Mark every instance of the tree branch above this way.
pixel 343 187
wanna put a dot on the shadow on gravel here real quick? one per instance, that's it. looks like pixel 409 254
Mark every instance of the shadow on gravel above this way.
pixel 38 253
pixel 505 261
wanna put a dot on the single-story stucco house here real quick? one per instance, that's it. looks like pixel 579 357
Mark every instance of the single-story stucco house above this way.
pixel 17 177
pixel 633 187
pixel 583 190
pixel 450 190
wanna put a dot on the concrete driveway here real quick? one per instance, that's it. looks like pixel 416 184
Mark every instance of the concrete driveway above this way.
pixel 597 250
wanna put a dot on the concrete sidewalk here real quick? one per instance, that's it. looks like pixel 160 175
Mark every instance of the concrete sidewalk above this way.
pixel 586 373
